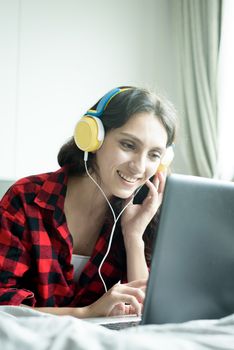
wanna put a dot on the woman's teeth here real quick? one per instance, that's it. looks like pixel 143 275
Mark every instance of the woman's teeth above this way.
pixel 127 178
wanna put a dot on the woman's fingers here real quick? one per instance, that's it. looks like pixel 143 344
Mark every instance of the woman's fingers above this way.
pixel 128 299
pixel 159 181
pixel 123 309
pixel 115 300
pixel 156 187
pixel 118 309
pixel 128 293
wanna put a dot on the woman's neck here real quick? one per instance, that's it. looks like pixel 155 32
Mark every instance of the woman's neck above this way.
pixel 85 196
pixel 85 210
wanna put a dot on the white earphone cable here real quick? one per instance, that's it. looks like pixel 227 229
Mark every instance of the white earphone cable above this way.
pixel 114 216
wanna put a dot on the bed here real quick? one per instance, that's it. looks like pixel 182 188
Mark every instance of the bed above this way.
pixel 27 329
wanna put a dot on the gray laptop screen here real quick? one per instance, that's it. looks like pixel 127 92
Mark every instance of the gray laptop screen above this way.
pixel 192 270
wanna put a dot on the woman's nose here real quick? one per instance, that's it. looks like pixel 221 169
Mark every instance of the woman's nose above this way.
pixel 138 164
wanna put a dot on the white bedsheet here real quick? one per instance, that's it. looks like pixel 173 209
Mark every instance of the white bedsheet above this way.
pixel 27 329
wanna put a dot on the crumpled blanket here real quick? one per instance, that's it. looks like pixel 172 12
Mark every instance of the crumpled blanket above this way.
pixel 28 329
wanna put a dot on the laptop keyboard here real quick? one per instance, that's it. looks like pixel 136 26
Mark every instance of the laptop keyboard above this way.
pixel 120 325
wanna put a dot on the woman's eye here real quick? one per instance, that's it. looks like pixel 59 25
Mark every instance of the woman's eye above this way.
pixel 155 156
pixel 127 145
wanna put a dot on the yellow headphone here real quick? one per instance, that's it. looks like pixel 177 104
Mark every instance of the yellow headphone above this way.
pixel 166 159
pixel 89 131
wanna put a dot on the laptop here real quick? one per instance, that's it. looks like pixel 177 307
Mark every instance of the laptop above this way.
pixel 192 268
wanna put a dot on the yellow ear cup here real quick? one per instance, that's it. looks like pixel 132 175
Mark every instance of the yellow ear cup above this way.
pixel 162 168
pixel 87 133
pixel 166 160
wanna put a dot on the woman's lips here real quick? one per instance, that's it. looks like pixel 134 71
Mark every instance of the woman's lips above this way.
pixel 127 178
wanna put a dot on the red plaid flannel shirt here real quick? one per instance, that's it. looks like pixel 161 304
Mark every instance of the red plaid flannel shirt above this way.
pixel 36 248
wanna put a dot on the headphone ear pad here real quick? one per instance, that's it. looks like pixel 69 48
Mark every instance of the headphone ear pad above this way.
pixel 89 133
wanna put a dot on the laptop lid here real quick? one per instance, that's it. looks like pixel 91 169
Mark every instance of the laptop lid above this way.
pixel 192 269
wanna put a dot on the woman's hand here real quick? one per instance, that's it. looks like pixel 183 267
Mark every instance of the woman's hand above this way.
pixel 121 299
pixel 136 217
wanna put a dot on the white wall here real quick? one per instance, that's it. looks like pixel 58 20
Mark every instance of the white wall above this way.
pixel 59 56
pixel 8 86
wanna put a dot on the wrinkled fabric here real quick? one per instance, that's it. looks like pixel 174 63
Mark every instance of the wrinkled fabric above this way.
pixel 26 329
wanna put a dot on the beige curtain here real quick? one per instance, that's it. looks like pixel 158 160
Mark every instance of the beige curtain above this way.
pixel 197 35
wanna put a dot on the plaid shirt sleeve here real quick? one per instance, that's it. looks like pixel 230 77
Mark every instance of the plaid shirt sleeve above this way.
pixel 14 257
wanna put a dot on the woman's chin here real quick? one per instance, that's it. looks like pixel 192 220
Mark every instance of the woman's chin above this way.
pixel 123 194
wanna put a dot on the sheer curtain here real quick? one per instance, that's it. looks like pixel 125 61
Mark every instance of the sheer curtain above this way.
pixel 197 35
pixel 225 169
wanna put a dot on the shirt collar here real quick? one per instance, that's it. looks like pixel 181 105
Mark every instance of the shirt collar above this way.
pixel 52 193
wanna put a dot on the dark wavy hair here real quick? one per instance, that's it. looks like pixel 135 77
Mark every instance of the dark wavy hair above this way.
pixel 118 111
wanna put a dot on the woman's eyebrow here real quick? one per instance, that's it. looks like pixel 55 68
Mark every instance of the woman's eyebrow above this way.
pixel 136 139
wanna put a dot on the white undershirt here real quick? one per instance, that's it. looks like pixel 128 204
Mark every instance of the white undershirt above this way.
pixel 78 262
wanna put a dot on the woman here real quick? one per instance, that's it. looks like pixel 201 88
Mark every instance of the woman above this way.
pixel 55 227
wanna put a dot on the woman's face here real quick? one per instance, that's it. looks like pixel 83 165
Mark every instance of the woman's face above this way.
pixel 131 154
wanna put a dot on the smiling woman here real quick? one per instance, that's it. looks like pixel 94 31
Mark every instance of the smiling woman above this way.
pixel 48 220
pixel 137 147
